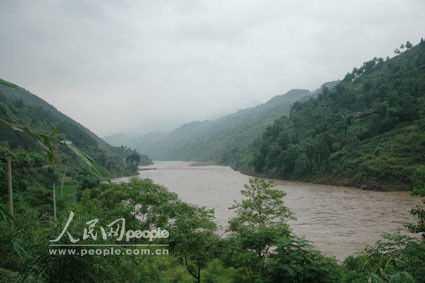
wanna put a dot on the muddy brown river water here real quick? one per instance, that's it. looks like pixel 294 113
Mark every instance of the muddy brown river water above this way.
pixel 339 221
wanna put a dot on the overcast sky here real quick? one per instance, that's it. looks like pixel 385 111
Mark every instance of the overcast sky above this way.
pixel 116 66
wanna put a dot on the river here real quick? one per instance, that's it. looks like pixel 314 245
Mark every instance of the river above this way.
pixel 339 221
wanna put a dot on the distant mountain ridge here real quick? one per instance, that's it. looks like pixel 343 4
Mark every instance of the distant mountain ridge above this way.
pixel 215 140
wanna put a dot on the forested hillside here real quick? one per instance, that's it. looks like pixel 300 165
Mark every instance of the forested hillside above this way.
pixel 368 131
pixel 38 138
pixel 219 140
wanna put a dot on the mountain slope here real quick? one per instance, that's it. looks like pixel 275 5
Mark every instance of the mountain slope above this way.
pixel 29 125
pixel 222 139
pixel 368 131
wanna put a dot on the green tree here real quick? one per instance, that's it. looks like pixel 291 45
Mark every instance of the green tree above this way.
pixel 133 159
pixel 261 220
pixel 262 205
pixel 193 240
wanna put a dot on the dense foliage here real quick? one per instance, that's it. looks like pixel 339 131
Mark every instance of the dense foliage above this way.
pixel 395 258
pixel 368 131
pixel 259 245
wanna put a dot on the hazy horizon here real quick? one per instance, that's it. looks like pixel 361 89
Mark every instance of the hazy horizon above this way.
pixel 154 65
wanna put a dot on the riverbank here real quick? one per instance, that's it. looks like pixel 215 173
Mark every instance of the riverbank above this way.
pixel 365 185
pixel 335 181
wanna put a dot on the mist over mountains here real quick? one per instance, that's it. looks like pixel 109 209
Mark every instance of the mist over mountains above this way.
pixel 214 140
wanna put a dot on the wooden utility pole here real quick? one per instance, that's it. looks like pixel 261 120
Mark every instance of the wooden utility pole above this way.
pixel 54 202
pixel 62 182
pixel 9 186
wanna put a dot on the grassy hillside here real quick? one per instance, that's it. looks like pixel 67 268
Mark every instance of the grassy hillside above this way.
pixel 368 131
pixel 219 140
pixel 37 135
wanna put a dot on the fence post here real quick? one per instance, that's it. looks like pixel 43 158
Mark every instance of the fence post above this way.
pixel 54 202
pixel 10 186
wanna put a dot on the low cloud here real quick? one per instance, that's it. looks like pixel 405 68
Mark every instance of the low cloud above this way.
pixel 117 66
